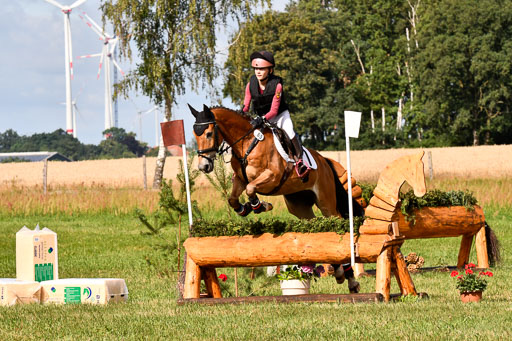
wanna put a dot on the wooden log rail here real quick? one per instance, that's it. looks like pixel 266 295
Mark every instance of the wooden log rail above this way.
pixel 207 253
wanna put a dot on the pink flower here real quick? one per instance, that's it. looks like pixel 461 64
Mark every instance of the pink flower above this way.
pixel 319 270
pixel 223 277
pixel 454 273
pixel 307 268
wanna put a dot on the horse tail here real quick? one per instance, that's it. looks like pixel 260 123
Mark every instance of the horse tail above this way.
pixel 493 246
pixel 342 195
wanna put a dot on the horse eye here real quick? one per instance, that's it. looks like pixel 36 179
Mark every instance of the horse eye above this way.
pixel 209 135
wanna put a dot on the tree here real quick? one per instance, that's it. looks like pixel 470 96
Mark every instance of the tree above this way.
pixel 464 65
pixel 120 136
pixel 175 41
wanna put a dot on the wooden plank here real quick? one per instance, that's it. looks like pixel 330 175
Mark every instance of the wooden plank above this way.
pixel 375 201
pixel 439 222
pixel 192 287
pixel 481 248
pixel 383 275
pixel 405 280
pixel 311 298
pixel 378 213
pixel 375 226
pixel 465 249
pixel 289 248
pixel 212 283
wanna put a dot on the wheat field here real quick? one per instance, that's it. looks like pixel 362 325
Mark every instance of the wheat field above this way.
pixel 461 162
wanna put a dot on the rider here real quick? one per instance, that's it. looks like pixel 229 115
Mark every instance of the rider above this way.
pixel 265 90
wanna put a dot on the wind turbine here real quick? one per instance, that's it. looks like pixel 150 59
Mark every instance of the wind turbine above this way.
pixel 68 58
pixel 107 54
pixel 144 113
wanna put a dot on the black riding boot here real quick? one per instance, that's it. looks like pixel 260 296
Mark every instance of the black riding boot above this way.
pixel 300 167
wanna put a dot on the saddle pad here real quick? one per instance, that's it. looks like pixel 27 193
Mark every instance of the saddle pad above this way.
pixel 307 157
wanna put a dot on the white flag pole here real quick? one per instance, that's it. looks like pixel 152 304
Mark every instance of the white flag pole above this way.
pixel 187 184
pixel 352 122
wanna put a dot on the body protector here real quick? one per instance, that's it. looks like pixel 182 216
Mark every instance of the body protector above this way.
pixel 262 102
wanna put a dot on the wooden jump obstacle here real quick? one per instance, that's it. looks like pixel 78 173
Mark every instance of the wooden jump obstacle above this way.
pixel 430 222
pixel 376 244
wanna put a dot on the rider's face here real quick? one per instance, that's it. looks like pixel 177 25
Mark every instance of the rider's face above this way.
pixel 262 73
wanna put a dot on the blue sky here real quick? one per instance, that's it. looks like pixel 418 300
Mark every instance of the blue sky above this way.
pixel 32 82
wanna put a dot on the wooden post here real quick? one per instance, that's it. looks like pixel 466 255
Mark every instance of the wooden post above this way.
pixel 383 274
pixel 430 166
pixel 144 172
pixel 404 277
pixel 212 283
pixel 236 282
pixel 192 279
pixel 45 175
pixel 465 249
pixel 481 249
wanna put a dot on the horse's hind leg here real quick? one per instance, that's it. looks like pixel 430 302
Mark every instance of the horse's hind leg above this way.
pixel 300 204
pixel 345 271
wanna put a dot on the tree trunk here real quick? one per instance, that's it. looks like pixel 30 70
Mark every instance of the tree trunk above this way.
pixel 160 159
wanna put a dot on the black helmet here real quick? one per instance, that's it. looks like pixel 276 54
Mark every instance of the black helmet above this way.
pixel 262 59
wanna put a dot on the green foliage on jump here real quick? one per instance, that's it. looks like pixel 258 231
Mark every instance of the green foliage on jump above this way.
pixel 435 198
pixel 215 228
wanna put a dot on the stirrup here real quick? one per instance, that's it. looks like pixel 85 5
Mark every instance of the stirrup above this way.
pixel 301 169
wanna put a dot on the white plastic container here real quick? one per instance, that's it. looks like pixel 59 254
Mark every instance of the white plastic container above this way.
pixel 13 291
pixel 36 254
pixel 84 290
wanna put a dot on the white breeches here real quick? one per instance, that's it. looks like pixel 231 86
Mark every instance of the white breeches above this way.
pixel 284 121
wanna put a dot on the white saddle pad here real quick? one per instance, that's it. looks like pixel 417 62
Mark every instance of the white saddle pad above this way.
pixel 307 157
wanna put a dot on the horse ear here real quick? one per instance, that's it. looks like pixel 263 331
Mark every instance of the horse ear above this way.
pixel 193 111
pixel 208 112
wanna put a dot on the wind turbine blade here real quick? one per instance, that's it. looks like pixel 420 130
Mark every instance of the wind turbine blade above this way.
pixel 55 3
pixel 118 67
pixel 96 26
pixel 89 56
pixel 101 63
pixel 91 26
pixel 77 3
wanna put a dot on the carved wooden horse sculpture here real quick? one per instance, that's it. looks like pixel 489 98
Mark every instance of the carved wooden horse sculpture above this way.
pixel 259 169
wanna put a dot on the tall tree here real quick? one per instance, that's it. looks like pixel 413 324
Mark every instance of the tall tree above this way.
pixel 175 40
pixel 464 69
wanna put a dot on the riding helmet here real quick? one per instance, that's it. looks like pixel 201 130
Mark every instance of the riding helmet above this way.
pixel 262 59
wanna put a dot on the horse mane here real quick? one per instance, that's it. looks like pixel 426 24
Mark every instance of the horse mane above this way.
pixel 239 113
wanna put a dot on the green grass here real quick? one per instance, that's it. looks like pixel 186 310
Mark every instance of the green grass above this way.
pixel 103 245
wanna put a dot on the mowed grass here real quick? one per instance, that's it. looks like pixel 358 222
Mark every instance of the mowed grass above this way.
pixel 111 243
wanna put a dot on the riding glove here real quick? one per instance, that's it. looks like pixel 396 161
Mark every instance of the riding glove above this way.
pixel 257 122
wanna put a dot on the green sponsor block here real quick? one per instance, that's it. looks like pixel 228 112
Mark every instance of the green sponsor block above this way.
pixel 72 295
pixel 44 272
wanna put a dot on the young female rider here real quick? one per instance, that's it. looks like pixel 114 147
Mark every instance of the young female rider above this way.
pixel 265 90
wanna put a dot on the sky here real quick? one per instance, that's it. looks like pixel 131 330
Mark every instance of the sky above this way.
pixel 32 75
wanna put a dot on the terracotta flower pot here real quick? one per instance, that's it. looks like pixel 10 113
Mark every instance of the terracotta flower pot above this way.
pixel 295 287
pixel 472 296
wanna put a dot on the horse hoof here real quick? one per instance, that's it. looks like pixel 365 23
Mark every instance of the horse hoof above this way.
pixel 262 207
pixel 268 206
pixel 246 210
pixel 355 289
pixel 340 280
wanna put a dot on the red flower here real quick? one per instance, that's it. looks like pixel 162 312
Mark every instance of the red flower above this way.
pixel 454 273
pixel 223 277
pixel 471 265
pixel 488 273
pixel 460 277
pixel 469 272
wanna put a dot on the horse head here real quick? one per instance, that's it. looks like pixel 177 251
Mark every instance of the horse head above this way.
pixel 416 178
pixel 207 136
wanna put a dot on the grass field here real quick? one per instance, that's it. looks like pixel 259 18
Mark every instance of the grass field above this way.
pixel 98 236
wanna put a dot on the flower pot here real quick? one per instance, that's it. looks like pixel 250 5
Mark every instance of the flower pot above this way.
pixel 295 287
pixel 472 296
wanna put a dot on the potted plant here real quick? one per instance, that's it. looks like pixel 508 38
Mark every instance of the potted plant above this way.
pixel 296 279
pixel 470 284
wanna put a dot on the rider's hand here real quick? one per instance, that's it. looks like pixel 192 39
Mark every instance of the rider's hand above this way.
pixel 257 122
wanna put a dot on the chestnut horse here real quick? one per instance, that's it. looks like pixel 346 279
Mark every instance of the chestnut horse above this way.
pixel 260 169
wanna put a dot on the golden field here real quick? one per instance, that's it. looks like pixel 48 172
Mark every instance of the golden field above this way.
pixel 461 162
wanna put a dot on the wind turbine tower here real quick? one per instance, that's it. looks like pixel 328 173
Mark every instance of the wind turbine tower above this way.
pixel 107 54
pixel 68 60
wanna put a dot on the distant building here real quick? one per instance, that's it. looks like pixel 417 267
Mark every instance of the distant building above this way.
pixel 33 156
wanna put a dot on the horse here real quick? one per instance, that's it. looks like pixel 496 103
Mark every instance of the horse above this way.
pixel 259 169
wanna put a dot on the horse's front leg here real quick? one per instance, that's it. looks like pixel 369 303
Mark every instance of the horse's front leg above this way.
pixel 236 191
pixel 257 184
